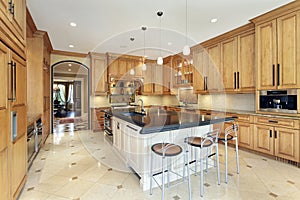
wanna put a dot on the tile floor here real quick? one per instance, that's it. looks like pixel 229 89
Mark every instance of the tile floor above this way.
pixel 66 169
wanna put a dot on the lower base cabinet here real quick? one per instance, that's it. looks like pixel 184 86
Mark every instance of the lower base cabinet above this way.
pixel 18 165
pixel 4 190
pixel 271 136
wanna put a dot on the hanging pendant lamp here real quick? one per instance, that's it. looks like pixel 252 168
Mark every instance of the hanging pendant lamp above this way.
pixel 160 59
pixel 144 66
pixel 186 49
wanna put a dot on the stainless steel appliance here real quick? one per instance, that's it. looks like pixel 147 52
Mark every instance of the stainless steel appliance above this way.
pixel 39 138
pixel 31 142
pixel 284 101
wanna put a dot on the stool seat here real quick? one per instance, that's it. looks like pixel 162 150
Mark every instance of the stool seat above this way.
pixel 166 149
pixel 222 137
pixel 197 141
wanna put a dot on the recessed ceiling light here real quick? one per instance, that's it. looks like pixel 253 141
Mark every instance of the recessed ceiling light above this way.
pixel 71 45
pixel 170 43
pixel 213 20
pixel 69 69
pixel 69 64
pixel 73 24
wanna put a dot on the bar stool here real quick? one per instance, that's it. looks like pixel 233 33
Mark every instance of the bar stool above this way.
pixel 167 150
pixel 231 133
pixel 205 144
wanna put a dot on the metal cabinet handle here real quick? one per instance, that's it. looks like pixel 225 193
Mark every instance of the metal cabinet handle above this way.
pixel 11 7
pixel 118 125
pixel 278 74
pixel 13 87
pixel 275 134
pixel 132 128
pixel 270 133
pixel 234 76
pixel 272 121
pixel 238 80
pixel 273 74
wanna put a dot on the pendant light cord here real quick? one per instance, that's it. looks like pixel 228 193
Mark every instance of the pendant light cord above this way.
pixel 160 33
pixel 186 25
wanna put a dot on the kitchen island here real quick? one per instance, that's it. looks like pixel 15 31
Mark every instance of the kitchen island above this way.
pixel 134 134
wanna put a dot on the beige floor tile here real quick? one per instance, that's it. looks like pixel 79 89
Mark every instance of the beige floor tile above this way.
pixel 33 195
pixel 74 189
pixel 99 192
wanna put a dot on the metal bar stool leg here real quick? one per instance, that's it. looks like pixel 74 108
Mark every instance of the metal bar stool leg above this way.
pixel 217 163
pixel 151 175
pixel 226 162
pixel 237 156
pixel 168 172
pixel 187 165
pixel 201 175
pixel 163 180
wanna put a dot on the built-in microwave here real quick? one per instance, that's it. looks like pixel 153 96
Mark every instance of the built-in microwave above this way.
pixel 278 101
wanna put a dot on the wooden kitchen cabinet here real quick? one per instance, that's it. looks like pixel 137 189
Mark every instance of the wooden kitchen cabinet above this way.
pixel 214 77
pixel 4 59
pixel 38 75
pixel 200 74
pixel 153 79
pixel 98 67
pixel 277 50
pixel 20 81
pixel 278 137
pixel 245 129
pixel 13 24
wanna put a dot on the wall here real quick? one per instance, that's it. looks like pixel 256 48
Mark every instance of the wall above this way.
pixel 227 101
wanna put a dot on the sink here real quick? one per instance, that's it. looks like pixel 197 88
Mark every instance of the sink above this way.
pixel 130 114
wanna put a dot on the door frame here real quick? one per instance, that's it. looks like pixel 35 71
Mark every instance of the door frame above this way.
pixel 51 86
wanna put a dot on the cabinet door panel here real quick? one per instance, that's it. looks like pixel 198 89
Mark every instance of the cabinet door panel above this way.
pixel 245 135
pixel 99 74
pixel 198 72
pixel 229 63
pixel 246 62
pixel 19 162
pixel 123 67
pixel 21 80
pixel 287 144
pixel 148 86
pixel 214 69
pixel 288 50
pixel 4 56
pixel 19 17
pixel 4 191
pixel 263 141
pixel 266 55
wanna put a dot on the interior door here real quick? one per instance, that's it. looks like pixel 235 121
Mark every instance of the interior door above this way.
pixel 77 97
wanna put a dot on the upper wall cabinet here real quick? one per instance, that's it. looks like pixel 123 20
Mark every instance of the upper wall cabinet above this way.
pixel 278 47
pixel 226 63
pixel 98 65
pixel 13 24
pixel 237 60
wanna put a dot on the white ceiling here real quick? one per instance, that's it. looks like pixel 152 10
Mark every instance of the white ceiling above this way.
pixel 107 25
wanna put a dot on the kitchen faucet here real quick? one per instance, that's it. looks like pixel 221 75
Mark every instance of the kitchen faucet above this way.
pixel 142 106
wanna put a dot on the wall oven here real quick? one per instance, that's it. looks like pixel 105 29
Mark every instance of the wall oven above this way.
pixel 283 101
pixel 108 125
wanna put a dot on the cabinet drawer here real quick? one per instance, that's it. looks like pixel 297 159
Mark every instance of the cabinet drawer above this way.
pixel 283 122
pixel 241 117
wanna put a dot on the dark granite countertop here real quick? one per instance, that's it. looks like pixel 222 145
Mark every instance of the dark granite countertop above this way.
pixel 162 120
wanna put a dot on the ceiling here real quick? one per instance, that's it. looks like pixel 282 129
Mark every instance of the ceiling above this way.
pixel 107 25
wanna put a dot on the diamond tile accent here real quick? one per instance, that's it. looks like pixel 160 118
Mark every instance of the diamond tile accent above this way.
pixel 37 171
pixel 206 184
pixel 74 178
pixel 230 174
pixel 291 182
pixel 249 166
pixel 176 197
pixel 110 169
pixel 120 186
pixel 273 195
pixel 30 189
pixel 264 159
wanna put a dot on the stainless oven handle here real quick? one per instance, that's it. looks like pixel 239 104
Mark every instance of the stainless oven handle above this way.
pixel 132 128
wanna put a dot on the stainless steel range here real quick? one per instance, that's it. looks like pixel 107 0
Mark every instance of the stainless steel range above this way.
pixel 108 129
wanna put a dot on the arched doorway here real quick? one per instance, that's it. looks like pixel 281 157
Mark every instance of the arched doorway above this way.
pixel 70 96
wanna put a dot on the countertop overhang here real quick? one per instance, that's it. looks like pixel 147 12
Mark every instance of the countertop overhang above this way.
pixel 162 120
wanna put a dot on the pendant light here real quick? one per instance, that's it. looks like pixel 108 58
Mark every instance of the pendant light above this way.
pixel 160 59
pixel 186 49
pixel 144 67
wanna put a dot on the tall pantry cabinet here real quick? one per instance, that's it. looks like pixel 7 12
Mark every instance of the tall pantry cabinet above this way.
pixel 13 100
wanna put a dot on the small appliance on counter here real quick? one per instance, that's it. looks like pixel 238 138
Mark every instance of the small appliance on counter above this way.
pixel 284 101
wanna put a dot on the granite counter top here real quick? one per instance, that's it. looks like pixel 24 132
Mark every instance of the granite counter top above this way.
pixel 162 120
